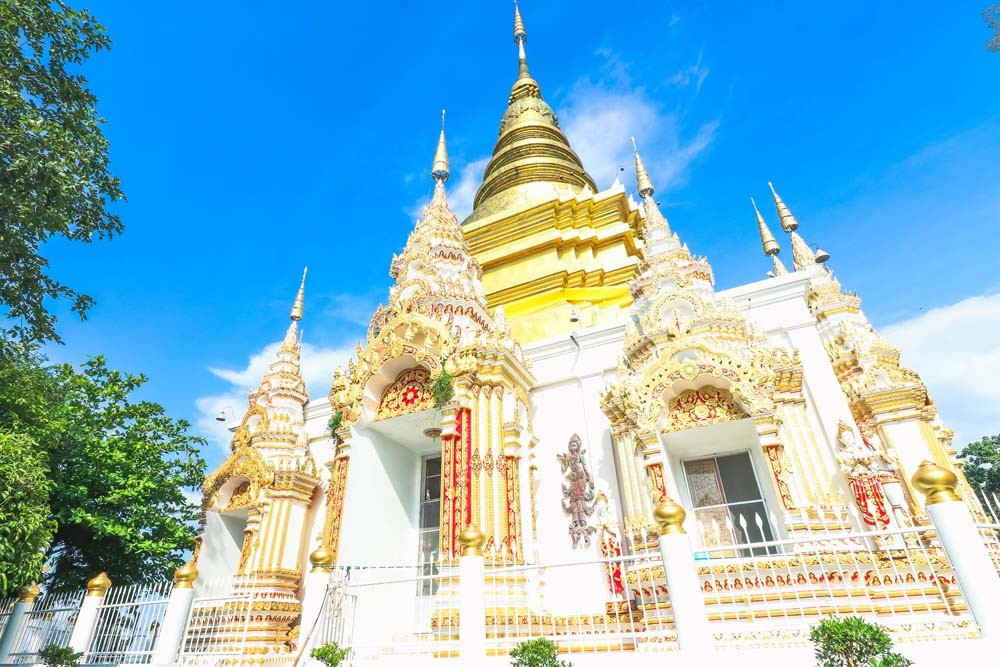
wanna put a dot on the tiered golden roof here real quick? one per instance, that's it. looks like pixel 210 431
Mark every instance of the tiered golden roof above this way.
pixel 532 160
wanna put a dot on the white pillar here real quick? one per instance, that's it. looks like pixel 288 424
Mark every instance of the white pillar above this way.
pixel 315 586
pixel 86 618
pixel 961 541
pixel 686 599
pixel 471 596
pixel 168 643
pixel 25 601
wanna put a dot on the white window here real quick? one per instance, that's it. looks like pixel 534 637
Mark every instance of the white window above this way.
pixel 429 534
pixel 727 501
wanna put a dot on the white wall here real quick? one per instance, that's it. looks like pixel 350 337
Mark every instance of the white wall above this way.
pixel 381 505
pixel 222 542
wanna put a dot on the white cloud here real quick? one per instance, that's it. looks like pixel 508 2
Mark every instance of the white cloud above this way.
pixel 957 353
pixel 600 115
pixel 696 73
pixel 318 364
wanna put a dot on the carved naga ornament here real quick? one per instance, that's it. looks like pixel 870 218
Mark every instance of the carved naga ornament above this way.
pixel 578 492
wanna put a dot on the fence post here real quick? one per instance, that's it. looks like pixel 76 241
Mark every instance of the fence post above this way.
pixel 314 593
pixel 471 596
pixel 25 601
pixel 86 618
pixel 962 543
pixel 171 635
pixel 686 600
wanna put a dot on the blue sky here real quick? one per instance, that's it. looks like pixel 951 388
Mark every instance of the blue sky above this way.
pixel 254 138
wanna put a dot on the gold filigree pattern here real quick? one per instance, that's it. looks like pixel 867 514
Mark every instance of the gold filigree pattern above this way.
pixel 409 392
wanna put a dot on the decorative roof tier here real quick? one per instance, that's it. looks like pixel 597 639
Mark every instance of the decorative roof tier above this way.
pixel 532 160
pixel 437 308
pixel 665 262
pixel 274 419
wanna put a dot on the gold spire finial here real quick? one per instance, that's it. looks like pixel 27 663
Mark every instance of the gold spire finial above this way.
pixel 643 181
pixel 440 171
pixel 767 239
pixel 520 34
pixel 788 221
pixel 296 313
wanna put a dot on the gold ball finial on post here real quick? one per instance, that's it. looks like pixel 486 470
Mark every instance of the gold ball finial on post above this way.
pixel 322 559
pixel 936 483
pixel 185 575
pixel 28 593
pixel 98 586
pixel 669 516
pixel 471 541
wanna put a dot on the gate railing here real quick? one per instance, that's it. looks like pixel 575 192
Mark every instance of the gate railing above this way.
pixel 128 624
pixel 49 621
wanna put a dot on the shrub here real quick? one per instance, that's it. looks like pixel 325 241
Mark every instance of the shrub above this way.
pixel 59 656
pixel 853 642
pixel 336 421
pixel 442 388
pixel 330 654
pixel 539 652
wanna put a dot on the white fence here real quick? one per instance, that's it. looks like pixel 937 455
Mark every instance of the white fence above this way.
pixel 49 621
pixel 128 623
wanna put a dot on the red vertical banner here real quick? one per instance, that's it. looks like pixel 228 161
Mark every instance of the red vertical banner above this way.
pixel 456 482
pixel 513 486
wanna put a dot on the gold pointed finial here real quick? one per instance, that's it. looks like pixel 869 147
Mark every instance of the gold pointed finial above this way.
pixel 669 516
pixel 767 239
pixel 643 181
pixel 936 483
pixel 296 314
pixel 779 266
pixel 788 221
pixel 520 34
pixel 185 575
pixel 98 586
pixel 440 171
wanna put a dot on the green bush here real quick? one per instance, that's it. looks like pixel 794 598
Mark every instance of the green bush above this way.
pixel 336 421
pixel 59 656
pixel 331 654
pixel 853 642
pixel 442 388
pixel 539 652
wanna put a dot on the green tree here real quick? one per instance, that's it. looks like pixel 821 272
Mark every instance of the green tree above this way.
pixel 853 642
pixel 25 521
pixel 982 464
pixel 992 17
pixel 539 652
pixel 54 174
pixel 118 467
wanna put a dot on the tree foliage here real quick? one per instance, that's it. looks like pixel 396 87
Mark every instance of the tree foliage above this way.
pixel 982 464
pixel 853 642
pixel 118 467
pixel 539 652
pixel 26 525
pixel 992 17
pixel 54 168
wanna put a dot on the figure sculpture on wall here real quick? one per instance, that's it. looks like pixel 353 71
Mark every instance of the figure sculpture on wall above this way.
pixel 866 469
pixel 578 492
